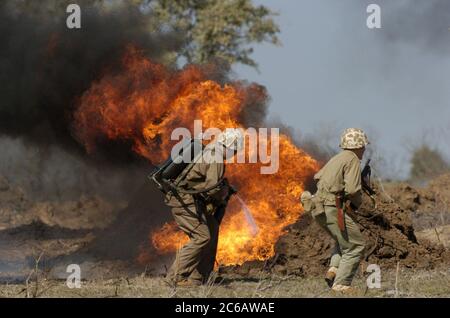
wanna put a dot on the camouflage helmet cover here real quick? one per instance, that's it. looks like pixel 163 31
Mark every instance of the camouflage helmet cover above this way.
pixel 353 138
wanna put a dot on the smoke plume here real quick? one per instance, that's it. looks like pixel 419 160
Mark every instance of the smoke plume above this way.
pixel 45 67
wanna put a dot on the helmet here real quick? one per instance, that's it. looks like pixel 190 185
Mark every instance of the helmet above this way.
pixel 353 138
pixel 232 139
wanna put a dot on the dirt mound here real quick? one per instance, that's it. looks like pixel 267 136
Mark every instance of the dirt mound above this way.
pixel 305 249
pixel 429 206
pixel 424 199
pixel 392 238
pixel 438 235
pixel 441 186
pixel 439 190
pixel 409 198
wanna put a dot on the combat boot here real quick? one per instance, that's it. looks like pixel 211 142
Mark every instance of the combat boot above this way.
pixel 330 276
pixel 186 283
pixel 345 290
pixel 170 282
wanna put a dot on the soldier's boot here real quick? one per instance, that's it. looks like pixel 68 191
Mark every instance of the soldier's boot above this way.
pixel 170 279
pixel 174 281
pixel 189 283
pixel 330 276
pixel 345 290
pixel 213 279
pixel 169 282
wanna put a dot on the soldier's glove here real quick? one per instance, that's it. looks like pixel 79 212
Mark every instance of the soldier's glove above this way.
pixel 307 201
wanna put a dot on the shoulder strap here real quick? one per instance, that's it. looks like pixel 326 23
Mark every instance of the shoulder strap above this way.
pixel 175 185
pixel 188 169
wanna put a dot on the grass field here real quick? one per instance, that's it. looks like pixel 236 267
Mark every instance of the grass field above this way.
pixel 405 283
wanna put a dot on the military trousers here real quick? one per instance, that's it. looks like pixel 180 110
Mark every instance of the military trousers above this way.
pixel 196 259
pixel 349 247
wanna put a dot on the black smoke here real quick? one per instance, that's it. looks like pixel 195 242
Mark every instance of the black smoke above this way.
pixel 45 67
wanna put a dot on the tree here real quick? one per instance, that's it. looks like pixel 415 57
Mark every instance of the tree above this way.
pixel 217 28
pixel 427 163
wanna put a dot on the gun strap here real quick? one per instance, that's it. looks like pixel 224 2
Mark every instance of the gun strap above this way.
pixel 180 190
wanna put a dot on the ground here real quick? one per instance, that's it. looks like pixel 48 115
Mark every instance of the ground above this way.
pixel 407 283
pixel 412 232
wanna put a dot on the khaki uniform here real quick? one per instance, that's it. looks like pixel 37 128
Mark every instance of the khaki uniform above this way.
pixel 196 259
pixel 341 174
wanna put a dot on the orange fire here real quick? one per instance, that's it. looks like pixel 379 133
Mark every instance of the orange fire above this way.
pixel 143 103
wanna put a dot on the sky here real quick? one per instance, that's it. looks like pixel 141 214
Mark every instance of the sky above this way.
pixel 333 72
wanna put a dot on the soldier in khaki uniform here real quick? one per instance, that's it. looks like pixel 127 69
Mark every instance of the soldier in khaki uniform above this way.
pixel 341 177
pixel 195 214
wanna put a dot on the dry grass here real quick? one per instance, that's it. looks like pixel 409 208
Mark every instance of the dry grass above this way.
pixel 409 283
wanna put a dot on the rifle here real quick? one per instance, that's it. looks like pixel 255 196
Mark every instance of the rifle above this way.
pixel 343 206
pixel 366 183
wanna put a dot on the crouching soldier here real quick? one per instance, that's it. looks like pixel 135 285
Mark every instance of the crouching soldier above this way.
pixel 339 191
pixel 198 207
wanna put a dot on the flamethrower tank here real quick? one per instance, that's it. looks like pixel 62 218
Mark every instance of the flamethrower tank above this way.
pixel 165 174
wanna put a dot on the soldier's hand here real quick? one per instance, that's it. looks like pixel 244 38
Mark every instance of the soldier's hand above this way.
pixel 210 209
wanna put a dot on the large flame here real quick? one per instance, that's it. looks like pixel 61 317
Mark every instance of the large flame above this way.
pixel 144 102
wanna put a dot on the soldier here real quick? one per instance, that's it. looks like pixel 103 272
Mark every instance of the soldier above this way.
pixel 339 191
pixel 196 214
